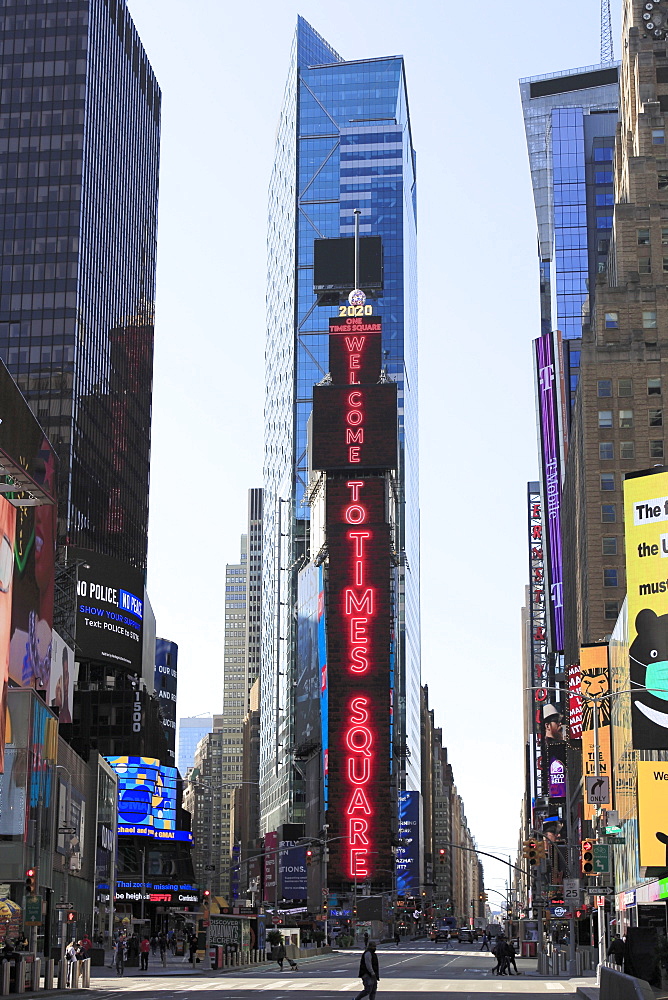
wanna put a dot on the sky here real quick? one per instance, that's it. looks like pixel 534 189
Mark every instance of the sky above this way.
pixel 222 69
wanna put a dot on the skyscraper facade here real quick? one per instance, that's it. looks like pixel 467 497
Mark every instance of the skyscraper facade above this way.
pixel 343 143
pixel 79 153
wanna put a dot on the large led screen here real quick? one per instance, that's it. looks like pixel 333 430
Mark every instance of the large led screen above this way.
pixel 110 610
pixel 147 798
pixel 355 427
pixel 355 349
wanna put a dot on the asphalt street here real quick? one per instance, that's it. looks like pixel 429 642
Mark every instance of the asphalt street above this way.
pixel 413 968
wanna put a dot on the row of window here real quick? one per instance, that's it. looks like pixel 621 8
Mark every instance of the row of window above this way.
pixel 643 236
pixel 648 320
pixel 627 449
pixel 654 417
pixel 607 479
pixel 625 386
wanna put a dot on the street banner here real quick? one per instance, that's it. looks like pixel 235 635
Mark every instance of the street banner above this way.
pixel 595 682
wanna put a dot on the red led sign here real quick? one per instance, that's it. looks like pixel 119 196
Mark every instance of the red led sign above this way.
pixel 355 349
pixel 358 660
pixel 354 428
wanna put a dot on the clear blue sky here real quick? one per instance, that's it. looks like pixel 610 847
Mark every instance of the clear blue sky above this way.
pixel 222 68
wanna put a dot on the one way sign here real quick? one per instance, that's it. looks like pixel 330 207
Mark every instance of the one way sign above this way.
pixel 598 790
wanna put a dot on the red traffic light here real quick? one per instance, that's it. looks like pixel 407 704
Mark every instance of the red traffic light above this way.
pixel 30 872
pixel 71 916
pixel 206 893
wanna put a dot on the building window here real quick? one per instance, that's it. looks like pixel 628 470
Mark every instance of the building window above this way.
pixel 603 246
pixel 656 449
pixel 605 418
pixel 664 237
pixel 644 265
pixel 605 199
pixel 654 386
pixel 610 546
pixel 611 610
pixel 624 387
pixel 609 577
pixel 603 154
pixel 606 450
pixel 662 180
pixel 627 449
pixel 605 387
pixel 603 177
pixel 658 137
pixel 649 319
pixel 608 513
pixel 656 418
pixel 611 320
pixel 607 480
pixel 643 237
pixel 626 418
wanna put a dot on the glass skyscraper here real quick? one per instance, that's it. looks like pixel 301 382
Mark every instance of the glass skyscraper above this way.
pixel 79 153
pixel 343 142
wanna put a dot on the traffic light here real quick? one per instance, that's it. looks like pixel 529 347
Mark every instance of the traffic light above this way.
pixel 586 857
pixel 441 855
pixel 206 897
pixel 483 897
pixel 530 851
pixel 309 856
pixel 71 916
pixel 30 882
pixel 325 908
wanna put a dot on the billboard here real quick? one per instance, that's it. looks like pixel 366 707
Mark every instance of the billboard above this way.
pixel 408 852
pixel 292 870
pixel 354 428
pixel 653 813
pixel 165 681
pixel 110 611
pixel 62 680
pixel 270 866
pixel 358 679
pixel 310 600
pixel 595 681
pixel 556 753
pixel 646 533
pixel 539 680
pixel 146 798
pixel 7 530
pixel 574 701
pixel 355 349
pixel 334 263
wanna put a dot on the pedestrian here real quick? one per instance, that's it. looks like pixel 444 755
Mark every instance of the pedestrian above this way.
pixel 162 945
pixel 144 949
pixel 119 953
pixel 510 957
pixel 366 938
pixel 192 947
pixel 616 950
pixel 369 972
pixel 485 941
pixel 72 964
pixel 498 952
pixel 154 944
pixel 397 938
pixel 448 940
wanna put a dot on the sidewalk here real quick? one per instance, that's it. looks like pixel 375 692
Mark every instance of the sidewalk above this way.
pixel 182 967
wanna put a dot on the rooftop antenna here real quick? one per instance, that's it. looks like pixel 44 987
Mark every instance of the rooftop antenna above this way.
pixel 357 212
pixel 607 52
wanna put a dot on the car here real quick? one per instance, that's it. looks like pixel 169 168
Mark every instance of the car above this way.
pixel 440 934
pixel 466 934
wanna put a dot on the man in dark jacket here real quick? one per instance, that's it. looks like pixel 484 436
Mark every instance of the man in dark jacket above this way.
pixel 616 950
pixel 369 972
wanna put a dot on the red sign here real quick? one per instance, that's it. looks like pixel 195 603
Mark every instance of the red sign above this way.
pixel 359 641
pixel 355 428
pixel 355 349
pixel 574 702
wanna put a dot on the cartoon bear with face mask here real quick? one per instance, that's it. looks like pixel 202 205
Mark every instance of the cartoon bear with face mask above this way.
pixel 649 669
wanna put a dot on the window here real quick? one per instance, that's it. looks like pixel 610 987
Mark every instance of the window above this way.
pixel 605 199
pixel 665 263
pixel 603 153
pixel 654 386
pixel 624 387
pixel 606 450
pixel 605 387
pixel 604 222
pixel 603 177
pixel 607 480
pixel 605 418
pixel 649 319
pixel 611 610
pixel 656 418
pixel 627 449
pixel 626 418
pixel 644 265
pixel 658 137
pixel 603 246
pixel 656 449
pixel 609 577
pixel 643 237
pixel 611 321
pixel 664 237
pixel 610 546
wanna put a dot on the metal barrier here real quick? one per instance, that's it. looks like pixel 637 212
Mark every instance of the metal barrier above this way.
pixel 35 973
pixel 5 970
pixel 49 966
pixel 85 973
pixel 62 974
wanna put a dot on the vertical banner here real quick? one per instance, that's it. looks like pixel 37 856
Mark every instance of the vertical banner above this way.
pixel 7 529
pixel 646 532
pixel 653 813
pixel 270 866
pixel 538 633
pixel 574 702
pixel 595 682
pixel 408 853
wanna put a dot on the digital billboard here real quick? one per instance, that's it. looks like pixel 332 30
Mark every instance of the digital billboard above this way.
pixel 354 427
pixel 646 533
pixel 7 529
pixel 60 692
pixel 358 673
pixel 146 798
pixel 110 610
pixel 653 813
pixel 595 681
pixel 355 349
pixel 408 853
pixel 270 866
pixel 292 870
pixel 307 682
pixel 165 683
pixel 334 263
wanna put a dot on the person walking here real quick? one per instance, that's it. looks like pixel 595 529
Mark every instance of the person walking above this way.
pixel 510 957
pixel 192 947
pixel 498 952
pixel 144 949
pixel 119 955
pixel 369 972
pixel 72 964
pixel 397 938
pixel 485 941
pixel 616 950
pixel 162 945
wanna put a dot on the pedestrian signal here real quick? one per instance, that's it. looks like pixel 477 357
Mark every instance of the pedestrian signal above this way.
pixel 71 916
pixel 31 887
pixel 586 857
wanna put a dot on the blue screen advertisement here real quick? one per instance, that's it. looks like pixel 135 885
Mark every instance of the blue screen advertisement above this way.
pixel 147 798
pixel 408 854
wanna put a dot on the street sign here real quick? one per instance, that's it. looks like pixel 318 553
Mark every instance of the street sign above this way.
pixel 33 915
pixel 600 890
pixel 601 859
pixel 571 889
pixel 598 790
pixel 561 912
pixel 67 829
pixel 209 868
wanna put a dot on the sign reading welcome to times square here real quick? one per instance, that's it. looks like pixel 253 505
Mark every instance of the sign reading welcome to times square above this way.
pixel 110 610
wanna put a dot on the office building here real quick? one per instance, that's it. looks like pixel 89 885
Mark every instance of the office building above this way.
pixel 79 134
pixel 192 728
pixel 343 143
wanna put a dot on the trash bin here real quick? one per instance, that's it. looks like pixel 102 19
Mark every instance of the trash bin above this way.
pixel 529 949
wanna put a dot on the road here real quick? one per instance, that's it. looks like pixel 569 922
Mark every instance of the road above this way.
pixel 415 968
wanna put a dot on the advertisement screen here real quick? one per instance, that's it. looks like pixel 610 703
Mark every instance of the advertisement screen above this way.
pixel 355 428
pixel 146 798
pixel 557 775
pixel 166 663
pixel 334 263
pixel 270 866
pixel 574 702
pixel 7 529
pixel 110 611
pixel 646 533
pixel 595 682
pixel 653 813
pixel 292 870
pixel 60 693
pixel 307 684
pixel 355 349
pixel 358 671
pixel 408 853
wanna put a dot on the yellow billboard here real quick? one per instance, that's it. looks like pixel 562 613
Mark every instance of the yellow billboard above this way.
pixel 653 813
pixel 646 535
pixel 594 684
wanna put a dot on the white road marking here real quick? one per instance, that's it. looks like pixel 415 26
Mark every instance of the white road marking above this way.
pixel 272 986
pixel 349 986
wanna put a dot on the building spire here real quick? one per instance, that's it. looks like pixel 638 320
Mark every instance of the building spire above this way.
pixel 607 52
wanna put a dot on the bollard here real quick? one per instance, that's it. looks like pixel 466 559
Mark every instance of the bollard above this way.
pixel 85 973
pixel 36 973
pixel 48 973
pixel 4 978
pixel 20 976
pixel 62 974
